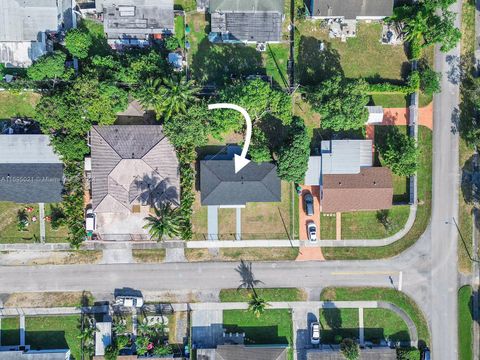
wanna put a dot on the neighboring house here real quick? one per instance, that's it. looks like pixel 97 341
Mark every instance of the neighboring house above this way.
pixel 134 167
pixel 30 171
pixel 371 189
pixel 379 353
pixel 220 186
pixel 135 22
pixel 351 9
pixel 13 353
pixel 242 352
pixel 24 25
pixel 250 21
pixel 347 179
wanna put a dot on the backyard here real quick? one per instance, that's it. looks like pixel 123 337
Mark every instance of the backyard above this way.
pixel 17 104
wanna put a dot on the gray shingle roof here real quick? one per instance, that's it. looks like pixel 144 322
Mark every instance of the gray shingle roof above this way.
pixel 132 164
pixel 29 169
pixel 219 185
pixel 241 352
pixel 247 5
pixel 20 355
pixel 246 26
pixel 351 9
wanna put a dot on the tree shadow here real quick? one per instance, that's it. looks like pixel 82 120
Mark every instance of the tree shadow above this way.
pixel 43 340
pixel 275 131
pixel 258 335
pixel 248 280
pixel 317 61
pixel 220 63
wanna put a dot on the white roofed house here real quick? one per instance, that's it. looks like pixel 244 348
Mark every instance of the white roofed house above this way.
pixel 134 22
pixel 25 25
pixel 350 9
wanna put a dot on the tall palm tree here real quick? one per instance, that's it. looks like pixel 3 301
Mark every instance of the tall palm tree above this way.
pixel 165 222
pixel 257 305
pixel 169 96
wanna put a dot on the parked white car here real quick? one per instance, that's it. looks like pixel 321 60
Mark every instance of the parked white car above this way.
pixel 312 231
pixel 315 333
pixel 90 220
pixel 129 301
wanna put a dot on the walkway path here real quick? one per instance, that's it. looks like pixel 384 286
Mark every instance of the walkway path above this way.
pixel 400 116
pixel 41 219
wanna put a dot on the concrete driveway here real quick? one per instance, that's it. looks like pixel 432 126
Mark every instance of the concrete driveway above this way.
pixel 207 328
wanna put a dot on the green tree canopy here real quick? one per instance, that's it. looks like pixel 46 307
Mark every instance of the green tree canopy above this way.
pixel 428 22
pixel 258 98
pixel 165 222
pixel 429 80
pixel 469 125
pixel 400 153
pixel 78 42
pixel 293 155
pixel 50 66
pixel 341 103
pixel 259 149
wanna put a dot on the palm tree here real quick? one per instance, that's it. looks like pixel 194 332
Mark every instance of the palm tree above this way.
pixel 257 305
pixel 166 222
pixel 169 96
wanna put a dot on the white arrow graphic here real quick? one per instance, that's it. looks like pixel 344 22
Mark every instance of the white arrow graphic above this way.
pixel 240 161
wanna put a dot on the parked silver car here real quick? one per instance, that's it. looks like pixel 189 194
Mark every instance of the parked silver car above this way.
pixel 312 231
pixel 315 333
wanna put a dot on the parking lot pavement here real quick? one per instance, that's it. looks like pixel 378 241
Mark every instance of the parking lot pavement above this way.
pixel 302 318
pixel 304 218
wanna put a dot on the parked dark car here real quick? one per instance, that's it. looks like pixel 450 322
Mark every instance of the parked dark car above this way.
pixel 308 201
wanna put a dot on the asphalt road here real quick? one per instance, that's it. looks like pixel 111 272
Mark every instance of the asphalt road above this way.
pixel 444 234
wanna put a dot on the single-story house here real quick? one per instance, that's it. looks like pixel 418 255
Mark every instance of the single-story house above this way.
pixel 377 353
pixel 134 167
pixel 347 179
pixel 371 189
pixel 350 9
pixel 30 171
pixel 27 354
pixel 221 186
pixel 133 22
pixel 242 352
pixel 248 21
pixel 24 25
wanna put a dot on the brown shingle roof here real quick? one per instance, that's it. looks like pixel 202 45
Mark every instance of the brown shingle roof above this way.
pixel 371 189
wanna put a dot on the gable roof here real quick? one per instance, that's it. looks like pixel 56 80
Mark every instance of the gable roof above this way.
pixel 247 5
pixel 30 171
pixel 132 164
pixel 371 189
pixel 241 352
pixel 219 185
pixel 351 9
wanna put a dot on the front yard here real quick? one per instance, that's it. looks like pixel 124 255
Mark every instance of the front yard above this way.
pixel 12 232
pixel 272 327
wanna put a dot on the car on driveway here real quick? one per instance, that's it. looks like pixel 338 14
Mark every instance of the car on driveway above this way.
pixel 312 231
pixel 308 202
pixel 315 333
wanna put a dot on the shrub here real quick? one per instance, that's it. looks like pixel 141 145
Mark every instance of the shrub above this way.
pixel 78 43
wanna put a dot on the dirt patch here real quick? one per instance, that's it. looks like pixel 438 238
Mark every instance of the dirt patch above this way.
pixel 149 255
pixel 48 299
pixel 249 254
pixel 16 258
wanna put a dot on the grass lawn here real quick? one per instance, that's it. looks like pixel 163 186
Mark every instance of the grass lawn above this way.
pixel 361 56
pixel 383 324
pixel 381 294
pixel 273 326
pixel 18 104
pixel 180 29
pixel 337 324
pixel 185 5
pixel 247 254
pixel 53 332
pixel 275 61
pixel 9 230
pixel 148 255
pixel 10 331
pixel 389 100
pixel 423 211
pixel 276 294
pixel 465 324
